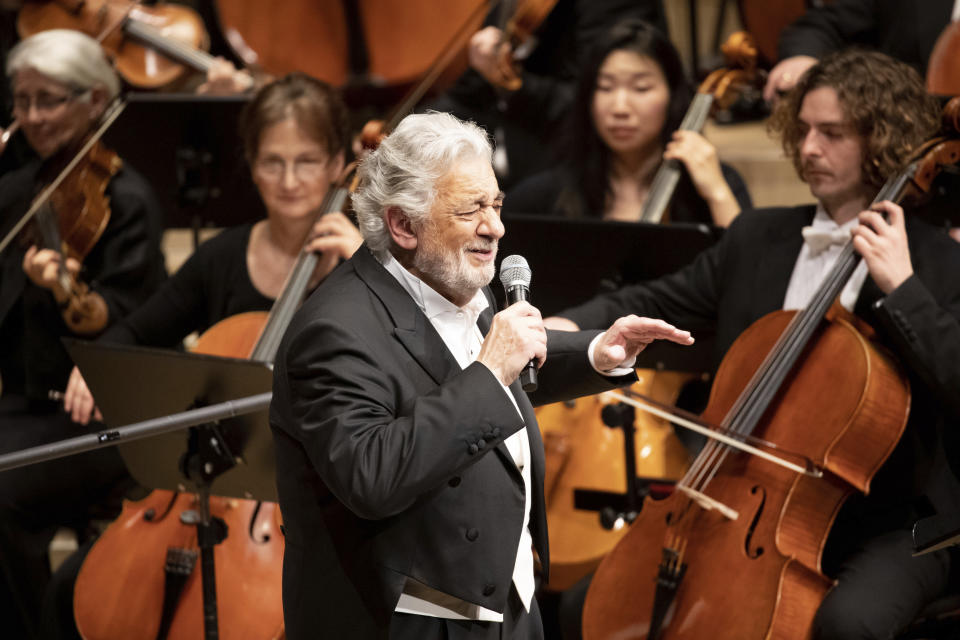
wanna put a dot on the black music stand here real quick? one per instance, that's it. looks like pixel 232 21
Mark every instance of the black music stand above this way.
pixel 574 260
pixel 189 146
pixel 133 384
pixel 233 458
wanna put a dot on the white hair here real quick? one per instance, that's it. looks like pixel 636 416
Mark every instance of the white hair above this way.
pixel 403 171
pixel 69 57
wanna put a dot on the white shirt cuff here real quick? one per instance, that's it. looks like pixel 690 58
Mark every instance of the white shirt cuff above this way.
pixel 624 368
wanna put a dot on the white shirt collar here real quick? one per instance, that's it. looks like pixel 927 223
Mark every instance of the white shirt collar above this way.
pixel 430 302
pixel 822 220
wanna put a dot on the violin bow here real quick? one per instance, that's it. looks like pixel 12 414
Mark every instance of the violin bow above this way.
pixel 112 113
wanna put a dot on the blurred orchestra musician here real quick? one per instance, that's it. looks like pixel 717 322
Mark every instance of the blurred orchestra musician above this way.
pixel 848 125
pixel 61 85
pixel 525 120
pixel 902 30
pixel 222 78
pixel 631 96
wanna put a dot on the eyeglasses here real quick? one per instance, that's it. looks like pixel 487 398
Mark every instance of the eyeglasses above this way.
pixel 305 169
pixel 43 102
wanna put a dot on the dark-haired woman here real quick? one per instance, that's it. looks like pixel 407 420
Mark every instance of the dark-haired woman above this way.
pixel 630 100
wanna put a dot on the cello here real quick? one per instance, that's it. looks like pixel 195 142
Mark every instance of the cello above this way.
pixel 120 594
pixel 744 516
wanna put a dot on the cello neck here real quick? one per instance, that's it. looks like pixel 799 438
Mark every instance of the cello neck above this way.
pixel 294 289
pixel 175 50
pixel 668 175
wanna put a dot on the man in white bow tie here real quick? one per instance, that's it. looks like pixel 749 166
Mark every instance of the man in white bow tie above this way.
pixel 848 125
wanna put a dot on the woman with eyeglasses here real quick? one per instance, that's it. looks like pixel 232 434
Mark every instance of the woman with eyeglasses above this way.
pixel 295 138
pixel 61 85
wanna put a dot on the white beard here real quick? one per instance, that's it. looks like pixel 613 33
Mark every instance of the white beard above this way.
pixel 452 270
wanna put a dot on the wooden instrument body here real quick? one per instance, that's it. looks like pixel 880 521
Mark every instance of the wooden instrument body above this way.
pixel 397 41
pixel 583 453
pixel 130 556
pixel 758 576
pixel 107 20
pixel 119 592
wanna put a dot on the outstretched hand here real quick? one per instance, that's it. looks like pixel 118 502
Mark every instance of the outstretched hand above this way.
pixel 630 335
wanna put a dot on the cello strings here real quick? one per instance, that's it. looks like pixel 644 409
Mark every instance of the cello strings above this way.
pixel 763 386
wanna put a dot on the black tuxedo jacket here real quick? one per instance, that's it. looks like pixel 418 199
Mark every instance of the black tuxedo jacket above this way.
pixel 390 458
pixel 745 276
pixel 904 30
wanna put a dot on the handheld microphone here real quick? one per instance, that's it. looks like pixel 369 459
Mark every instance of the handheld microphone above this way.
pixel 515 276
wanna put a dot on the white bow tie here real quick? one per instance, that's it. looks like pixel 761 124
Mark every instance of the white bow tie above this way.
pixel 819 239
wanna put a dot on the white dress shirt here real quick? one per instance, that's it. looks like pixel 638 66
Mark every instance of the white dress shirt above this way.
pixel 811 268
pixel 457 327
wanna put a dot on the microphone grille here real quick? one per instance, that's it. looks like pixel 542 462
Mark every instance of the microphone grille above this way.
pixel 515 271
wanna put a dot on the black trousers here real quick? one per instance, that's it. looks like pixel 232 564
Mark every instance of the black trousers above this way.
pixel 880 589
pixel 517 624
pixel 36 500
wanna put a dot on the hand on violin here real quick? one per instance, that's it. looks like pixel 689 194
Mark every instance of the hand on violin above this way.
pixel 630 335
pixel 335 238
pixel 700 158
pixel 785 75
pixel 78 401
pixel 515 338
pixel 485 52
pixel 883 245
pixel 42 266
pixel 225 79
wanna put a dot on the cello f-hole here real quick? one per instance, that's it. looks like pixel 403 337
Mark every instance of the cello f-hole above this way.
pixel 252 527
pixel 753 523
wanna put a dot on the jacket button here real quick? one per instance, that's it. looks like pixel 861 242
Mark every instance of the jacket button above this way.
pixel 472 534
pixel 481 443
pixel 454 481
pixel 496 432
pixel 488 589
pixel 472 449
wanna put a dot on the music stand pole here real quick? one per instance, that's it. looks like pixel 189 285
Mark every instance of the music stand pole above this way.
pixel 135 431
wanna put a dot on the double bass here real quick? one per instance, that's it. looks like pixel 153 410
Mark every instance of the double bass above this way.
pixel 745 528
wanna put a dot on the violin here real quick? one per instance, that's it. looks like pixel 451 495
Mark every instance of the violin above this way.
pixel 151 46
pixel 718 91
pixel 518 23
pixel 70 215
pixel 744 527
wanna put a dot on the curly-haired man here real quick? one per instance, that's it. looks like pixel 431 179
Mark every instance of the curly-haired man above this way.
pixel 849 125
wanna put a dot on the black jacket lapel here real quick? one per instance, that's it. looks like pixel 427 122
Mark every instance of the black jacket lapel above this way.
pixel 411 327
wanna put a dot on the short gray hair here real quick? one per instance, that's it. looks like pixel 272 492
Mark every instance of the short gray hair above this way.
pixel 403 171
pixel 69 57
